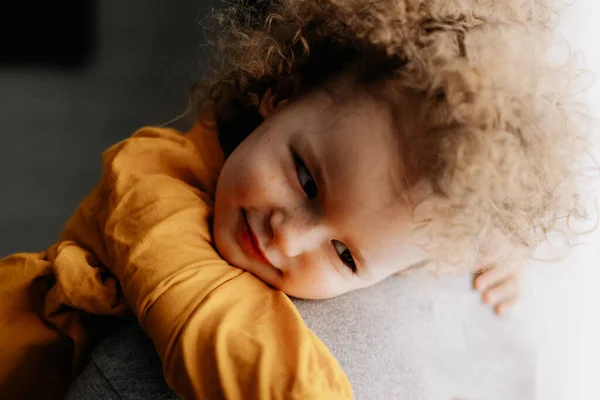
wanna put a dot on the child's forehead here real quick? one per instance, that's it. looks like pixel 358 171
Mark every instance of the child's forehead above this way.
pixel 358 126
pixel 360 156
pixel 383 107
pixel 351 110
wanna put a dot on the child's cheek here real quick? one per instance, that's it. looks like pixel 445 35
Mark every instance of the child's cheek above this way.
pixel 254 183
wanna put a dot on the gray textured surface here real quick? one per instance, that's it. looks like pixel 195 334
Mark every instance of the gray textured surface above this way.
pixel 126 367
pixel 423 338
pixel 413 339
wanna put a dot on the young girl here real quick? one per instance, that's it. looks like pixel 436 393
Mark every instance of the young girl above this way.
pixel 338 143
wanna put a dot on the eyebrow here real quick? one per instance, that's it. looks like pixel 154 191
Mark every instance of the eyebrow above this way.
pixel 358 257
pixel 320 175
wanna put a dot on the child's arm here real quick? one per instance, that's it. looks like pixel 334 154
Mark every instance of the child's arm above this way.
pixel 219 331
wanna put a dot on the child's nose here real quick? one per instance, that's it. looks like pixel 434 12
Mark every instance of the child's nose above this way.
pixel 296 234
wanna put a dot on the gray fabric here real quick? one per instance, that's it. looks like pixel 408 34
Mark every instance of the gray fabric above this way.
pixel 124 366
pixel 417 338
pixel 92 384
pixel 425 338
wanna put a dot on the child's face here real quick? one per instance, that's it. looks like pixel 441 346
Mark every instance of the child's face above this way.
pixel 311 202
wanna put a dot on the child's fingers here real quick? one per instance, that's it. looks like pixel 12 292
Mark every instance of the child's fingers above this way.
pixel 490 277
pixel 500 309
pixel 500 286
pixel 503 292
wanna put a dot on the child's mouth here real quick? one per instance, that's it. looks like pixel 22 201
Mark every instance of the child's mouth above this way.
pixel 249 242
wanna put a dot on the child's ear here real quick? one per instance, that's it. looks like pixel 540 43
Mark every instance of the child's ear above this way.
pixel 269 104
pixel 274 99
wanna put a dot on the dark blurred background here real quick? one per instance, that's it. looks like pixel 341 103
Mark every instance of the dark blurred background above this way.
pixel 76 77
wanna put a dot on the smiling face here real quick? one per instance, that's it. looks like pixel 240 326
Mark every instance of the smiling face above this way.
pixel 311 202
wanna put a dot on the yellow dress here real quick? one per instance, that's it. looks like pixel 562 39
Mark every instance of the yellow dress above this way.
pixel 141 242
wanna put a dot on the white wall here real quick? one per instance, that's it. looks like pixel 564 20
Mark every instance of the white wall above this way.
pixel 566 296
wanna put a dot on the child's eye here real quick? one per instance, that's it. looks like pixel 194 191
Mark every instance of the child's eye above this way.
pixel 305 178
pixel 344 255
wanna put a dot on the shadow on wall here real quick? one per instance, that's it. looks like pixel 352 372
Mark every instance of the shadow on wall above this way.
pixel 75 77
pixel 47 33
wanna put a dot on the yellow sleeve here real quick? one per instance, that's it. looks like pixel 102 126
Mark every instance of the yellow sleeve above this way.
pixel 220 332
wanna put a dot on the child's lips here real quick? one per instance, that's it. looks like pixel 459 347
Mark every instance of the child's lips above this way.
pixel 249 242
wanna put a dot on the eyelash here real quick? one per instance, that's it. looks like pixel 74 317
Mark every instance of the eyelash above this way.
pixel 309 186
pixel 345 255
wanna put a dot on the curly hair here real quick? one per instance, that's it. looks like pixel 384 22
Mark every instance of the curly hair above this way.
pixel 497 155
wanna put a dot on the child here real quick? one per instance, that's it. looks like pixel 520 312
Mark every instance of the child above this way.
pixel 339 142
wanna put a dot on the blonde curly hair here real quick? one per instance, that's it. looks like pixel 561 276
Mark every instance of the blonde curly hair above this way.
pixel 496 159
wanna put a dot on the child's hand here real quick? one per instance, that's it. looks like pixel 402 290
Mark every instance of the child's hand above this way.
pixel 500 287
